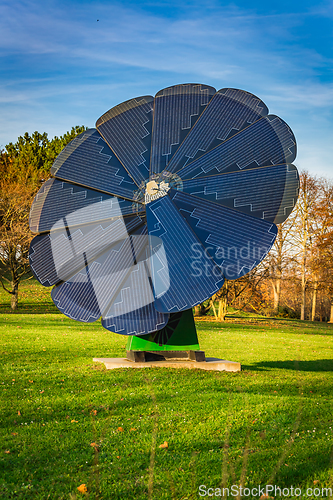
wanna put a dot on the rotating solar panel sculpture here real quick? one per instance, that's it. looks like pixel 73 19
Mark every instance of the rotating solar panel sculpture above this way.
pixel 145 216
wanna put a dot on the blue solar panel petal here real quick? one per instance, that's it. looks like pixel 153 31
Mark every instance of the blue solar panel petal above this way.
pixel 269 193
pixel 89 293
pixel 60 204
pixel 237 242
pixel 57 255
pixel 229 111
pixel 127 130
pixel 176 109
pixel 269 141
pixel 88 161
pixel 139 322
pixel 132 312
pixel 77 299
pixel 188 281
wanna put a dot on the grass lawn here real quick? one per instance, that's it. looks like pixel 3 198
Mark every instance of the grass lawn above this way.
pixel 66 421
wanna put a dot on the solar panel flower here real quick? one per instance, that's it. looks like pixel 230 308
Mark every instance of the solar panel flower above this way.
pixel 147 214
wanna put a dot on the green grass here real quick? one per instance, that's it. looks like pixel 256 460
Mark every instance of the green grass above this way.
pixel 270 424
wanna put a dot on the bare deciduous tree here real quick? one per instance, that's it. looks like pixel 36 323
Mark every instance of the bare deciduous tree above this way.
pixel 15 237
pixel 303 229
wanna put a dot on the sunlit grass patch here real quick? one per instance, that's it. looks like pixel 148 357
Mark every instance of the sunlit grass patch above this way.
pixel 67 422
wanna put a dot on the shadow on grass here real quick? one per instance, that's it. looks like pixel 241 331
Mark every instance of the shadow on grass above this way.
pixel 265 325
pixel 316 365
pixel 30 309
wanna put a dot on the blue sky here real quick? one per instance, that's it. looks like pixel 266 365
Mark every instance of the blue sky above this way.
pixel 64 63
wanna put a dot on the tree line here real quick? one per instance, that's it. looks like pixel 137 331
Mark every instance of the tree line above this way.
pixel 295 279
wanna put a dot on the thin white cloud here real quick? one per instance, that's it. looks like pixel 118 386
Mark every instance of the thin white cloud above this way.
pixel 73 67
pixel 125 36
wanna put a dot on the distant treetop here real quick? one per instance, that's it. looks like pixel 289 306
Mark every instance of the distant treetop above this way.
pixel 30 158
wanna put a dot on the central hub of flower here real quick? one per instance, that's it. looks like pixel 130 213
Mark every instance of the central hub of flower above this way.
pixel 155 190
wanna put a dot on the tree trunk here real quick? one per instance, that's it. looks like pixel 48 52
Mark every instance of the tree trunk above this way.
pixel 223 307
pixel 276 268
pixel 276 285
pixel 314 301
pixel 213 307
pixel 203 310
pixel 305 242
pixel 14 297
pixel 331 316
pixel 303 298
pixel 197 310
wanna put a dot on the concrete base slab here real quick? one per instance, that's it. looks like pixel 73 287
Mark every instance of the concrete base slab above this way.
pixel 210 364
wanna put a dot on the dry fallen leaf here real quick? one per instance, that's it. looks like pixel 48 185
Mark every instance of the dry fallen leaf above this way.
pixel 19 413
pixel 316 481
pixel 14 433
pixel 164 445
pixel 93 412
pixel 132 429
pixel 31 381
pixel 7 452
pixel 74 421
pixel 120 429
pixel 82 488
